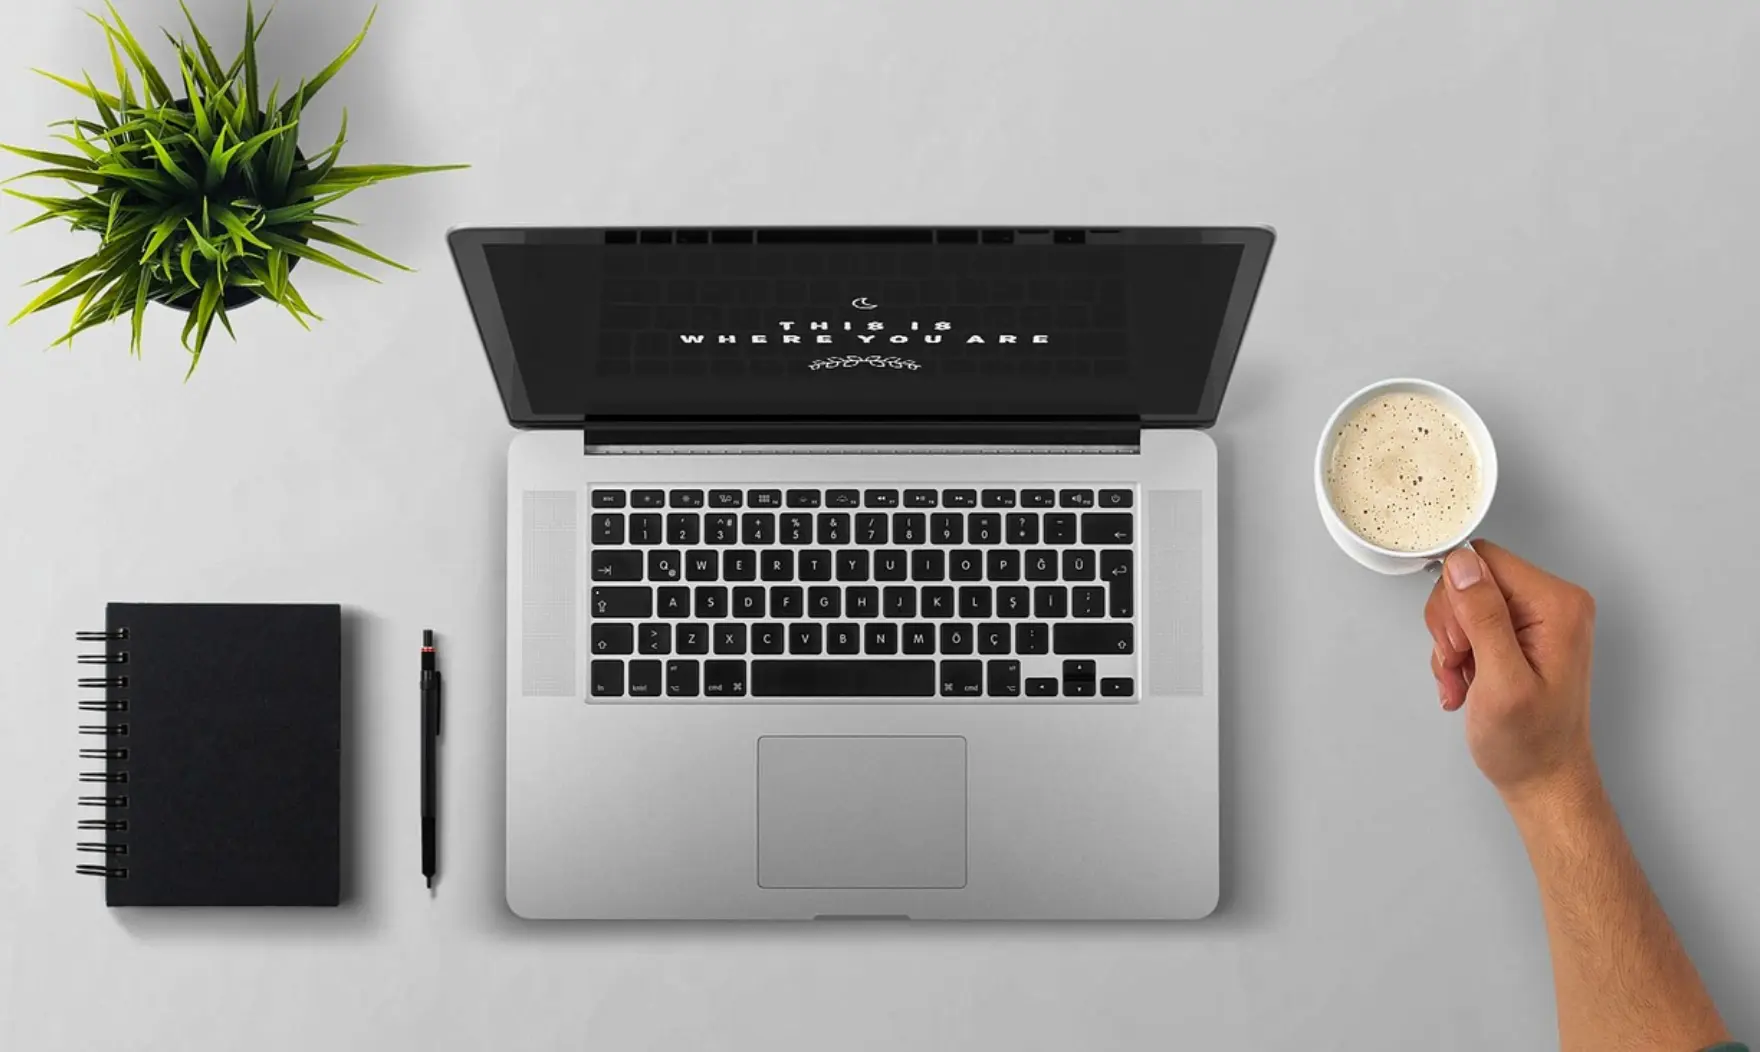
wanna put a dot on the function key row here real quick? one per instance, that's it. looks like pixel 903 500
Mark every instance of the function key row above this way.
pixel 851 498
pixel 944 528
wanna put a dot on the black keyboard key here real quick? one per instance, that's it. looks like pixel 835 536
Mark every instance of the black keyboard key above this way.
pixel 1100 528
pixel 1060 528
pixel 608 498
pixel 1050 602
pixel 607 679
pixel 833 528
pixel 617 566
pixel 674 602
pixel 825 602
pixel 998 498
pixel 1116 570
pixel 682 678
pixel 797 528
pixel 740 565
pixel 683 527
pixel 816 565
pixel 938 602
pixel 1076 498
pixel 687 498
pixel 803 498
pixel 959 498
pixel 881 498
pixel 725 498
pixel 871 528
pixel 806 638
pixel 947 529
pixel 624 601
pixel 962 679
pixel 1013 601
pixel 692 638
pixel 901 678
pixel 852 565
pixel 765 498
pixel 647 498
pixel 1002 679
pixel 1117 687
pixel 666 565
pixel 843 638
pixel 1078 565
pixel 768 638
pixel 757 528
pixel 1041 687
pixel 928 565
pixel 965 564
pixel 880 639
pixel 921 498
pixel 985 528
pixel 909 527
pixel 1041 565
pixel 1074 669
pixel 956 638
pixel 645 679
pixel 1032 638
pixel 994 638
pixel 608 528
pixel 1080 688
pixel 729 637
pixel 612 638
pixel 843 498
pixel 647 530
pixel 1038 498
pixel 891 565
pixel 655 638
pixel 748 602
pixel 1088 601
pixel 721 529
pixel 724 679
pixel 1021 527
pixel 899 603
pixel 862 601
pixel 777 565
pixel 1094 637
pixel 711 601
pixel 787 601
pixel 974 601
pixel 1002 565
pixel 918 638
pixel 1115 498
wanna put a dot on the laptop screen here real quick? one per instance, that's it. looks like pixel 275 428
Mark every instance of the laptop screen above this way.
pixel 868 323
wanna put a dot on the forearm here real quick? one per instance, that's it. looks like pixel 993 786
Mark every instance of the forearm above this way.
pixel 1622 978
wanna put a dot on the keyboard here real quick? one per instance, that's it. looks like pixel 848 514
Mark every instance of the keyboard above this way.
pixel 747 593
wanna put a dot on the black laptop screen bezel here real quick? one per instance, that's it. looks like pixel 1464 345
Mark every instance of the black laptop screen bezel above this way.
pixel 469 247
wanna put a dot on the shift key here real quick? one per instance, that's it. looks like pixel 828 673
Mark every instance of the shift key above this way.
pixel 635 601
pixel 1092 637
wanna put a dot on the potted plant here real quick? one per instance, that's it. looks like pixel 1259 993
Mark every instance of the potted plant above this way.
pixel 197 189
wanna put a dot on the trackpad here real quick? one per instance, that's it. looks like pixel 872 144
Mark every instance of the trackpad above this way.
pixel 861 812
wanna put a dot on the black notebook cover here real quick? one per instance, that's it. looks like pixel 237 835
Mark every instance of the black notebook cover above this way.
pixel 231 756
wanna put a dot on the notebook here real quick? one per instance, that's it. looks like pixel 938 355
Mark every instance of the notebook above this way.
pixel 221 776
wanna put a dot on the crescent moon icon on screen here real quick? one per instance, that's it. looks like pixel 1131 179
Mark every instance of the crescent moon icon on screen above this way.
pixel 863 303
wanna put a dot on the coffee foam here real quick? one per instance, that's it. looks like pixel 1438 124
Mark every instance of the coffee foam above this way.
pixel 1403 473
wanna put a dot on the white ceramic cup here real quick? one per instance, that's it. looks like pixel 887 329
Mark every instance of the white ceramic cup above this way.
pixel 1387 560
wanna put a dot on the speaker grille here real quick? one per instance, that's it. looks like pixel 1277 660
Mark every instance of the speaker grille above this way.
pixel 1175 581
pixel 547 592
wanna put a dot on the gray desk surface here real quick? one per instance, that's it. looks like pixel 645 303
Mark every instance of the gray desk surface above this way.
pixel 1547 205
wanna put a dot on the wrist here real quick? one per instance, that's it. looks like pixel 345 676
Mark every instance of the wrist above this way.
pixel 1562 798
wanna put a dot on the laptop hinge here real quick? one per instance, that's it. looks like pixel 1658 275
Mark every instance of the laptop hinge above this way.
pixel 1075 435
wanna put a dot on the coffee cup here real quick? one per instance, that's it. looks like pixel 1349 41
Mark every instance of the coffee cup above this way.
pixel 1391 560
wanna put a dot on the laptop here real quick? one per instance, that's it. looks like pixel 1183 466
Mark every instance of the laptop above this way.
pixel 862 572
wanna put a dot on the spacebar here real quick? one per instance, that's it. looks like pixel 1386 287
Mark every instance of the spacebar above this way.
pixel 843 679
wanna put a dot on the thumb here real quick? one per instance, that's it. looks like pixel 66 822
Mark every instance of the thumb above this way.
pixel 1483 614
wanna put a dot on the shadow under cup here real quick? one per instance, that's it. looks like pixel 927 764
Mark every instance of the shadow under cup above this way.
pixel 1389 560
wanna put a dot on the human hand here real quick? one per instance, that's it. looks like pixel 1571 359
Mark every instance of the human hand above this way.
pixel 1514 646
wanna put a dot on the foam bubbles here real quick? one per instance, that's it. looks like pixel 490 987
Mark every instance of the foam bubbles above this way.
pixel 1403 473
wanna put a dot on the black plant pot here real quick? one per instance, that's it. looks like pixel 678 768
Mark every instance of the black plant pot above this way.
pixel 234 298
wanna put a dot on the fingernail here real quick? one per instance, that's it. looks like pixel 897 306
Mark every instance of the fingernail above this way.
pixel 1456 640
pixel 1463 568
pixel 1441 694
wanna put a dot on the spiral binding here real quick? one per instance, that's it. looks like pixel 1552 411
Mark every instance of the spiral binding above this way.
pixel 112 755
